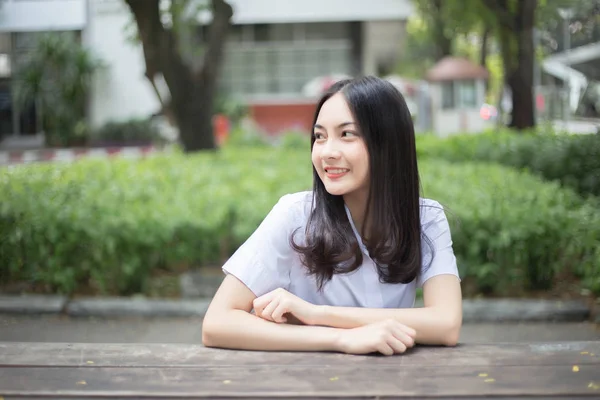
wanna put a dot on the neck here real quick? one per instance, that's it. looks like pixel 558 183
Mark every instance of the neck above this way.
pixel 357 206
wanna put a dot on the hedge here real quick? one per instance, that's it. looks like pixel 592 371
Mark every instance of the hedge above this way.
pixel 112 222
pixel 109 224
pixel 514 232
pixel 572 160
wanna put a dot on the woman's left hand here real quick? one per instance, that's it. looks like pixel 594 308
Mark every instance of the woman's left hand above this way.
pixel 274 306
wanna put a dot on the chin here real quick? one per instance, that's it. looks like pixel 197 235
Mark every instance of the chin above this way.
pixel 336 190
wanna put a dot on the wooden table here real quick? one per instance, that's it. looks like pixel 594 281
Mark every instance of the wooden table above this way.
pixel 159 371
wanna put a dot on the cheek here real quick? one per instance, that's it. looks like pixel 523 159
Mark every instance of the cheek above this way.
pixel 360 157
pixel 316 159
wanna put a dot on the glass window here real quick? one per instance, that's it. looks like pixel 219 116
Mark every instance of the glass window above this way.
pixel 282 32
pixel 261 32
pixel 281 68
pixel 6 110
pixel 235 34
pixel 326 30
pixel 5 50
pixel 467 94
pixel 447 95
pixel 5 67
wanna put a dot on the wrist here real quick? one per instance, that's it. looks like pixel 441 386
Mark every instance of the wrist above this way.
pixel 319 315
pixel 337 340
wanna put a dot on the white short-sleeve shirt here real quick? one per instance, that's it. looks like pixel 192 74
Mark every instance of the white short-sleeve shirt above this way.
pixel 266 261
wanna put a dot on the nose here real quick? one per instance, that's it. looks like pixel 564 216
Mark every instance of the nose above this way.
pixel 330 150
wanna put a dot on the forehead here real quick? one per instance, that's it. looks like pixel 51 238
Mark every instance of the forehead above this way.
pixel 335 110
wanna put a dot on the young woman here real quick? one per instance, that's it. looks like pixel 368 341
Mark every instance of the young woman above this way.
pixel 336 268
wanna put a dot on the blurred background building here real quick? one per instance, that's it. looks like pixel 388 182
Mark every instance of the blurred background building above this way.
pixel 278 56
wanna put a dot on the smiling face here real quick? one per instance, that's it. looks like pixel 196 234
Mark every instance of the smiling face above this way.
pixel 339 152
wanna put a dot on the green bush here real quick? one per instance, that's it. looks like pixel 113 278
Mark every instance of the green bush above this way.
pixel 295 140
pixel 244 138
pixel 572 160
pixel 513 232
pixel 134 131
pixel 110 223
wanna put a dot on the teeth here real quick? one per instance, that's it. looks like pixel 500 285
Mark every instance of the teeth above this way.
pixel 336 171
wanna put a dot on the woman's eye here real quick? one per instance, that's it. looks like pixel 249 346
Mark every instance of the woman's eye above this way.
pixel 318 135
pixel 348 133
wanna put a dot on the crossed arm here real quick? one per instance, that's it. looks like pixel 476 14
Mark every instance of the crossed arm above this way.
pixel 229 324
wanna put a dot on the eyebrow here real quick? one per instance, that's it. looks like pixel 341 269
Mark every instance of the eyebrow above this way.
pixel 339 126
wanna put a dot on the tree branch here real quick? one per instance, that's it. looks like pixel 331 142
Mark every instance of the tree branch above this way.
pixel 217 31
pixel 159 44
pixel 151 32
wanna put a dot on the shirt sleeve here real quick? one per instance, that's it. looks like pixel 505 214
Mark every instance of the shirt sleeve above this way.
pixel 437 229
pixel 263 262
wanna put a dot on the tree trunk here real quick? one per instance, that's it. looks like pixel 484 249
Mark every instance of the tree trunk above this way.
pixel 484 52
pixel 443 43
pixel 484 47
pixel 193 112
pixel 192 91
pixel 516 40
pixel 520 79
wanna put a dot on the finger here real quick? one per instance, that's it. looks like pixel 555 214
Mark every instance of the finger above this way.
pixel 262 301
pixel 268 311
pixel 396 344
pixel 404 337
pixel 258 311
pixel 385 349
pixel 409 331
pixel 277 314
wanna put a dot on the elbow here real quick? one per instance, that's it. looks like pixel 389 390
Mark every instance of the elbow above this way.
pixel 208 336
pixel 210 331
pixel 451 332
pixel 220 328
pixel 450 339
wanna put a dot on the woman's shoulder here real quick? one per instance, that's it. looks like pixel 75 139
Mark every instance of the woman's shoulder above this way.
pixel 295 205
pixel 432 211
pixel 427 203
pixel 296 199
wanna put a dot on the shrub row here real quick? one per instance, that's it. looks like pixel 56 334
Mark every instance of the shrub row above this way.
pixel 572 160
pixel 110 224
pixel 514 232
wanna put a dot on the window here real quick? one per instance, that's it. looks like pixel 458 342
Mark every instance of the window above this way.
pixel 467 94
pixel 279 59
pixel 459 94
pixel 5 51
pixel 447 95
pixel 6 109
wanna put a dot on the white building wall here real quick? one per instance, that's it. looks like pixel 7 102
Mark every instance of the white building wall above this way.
pixel 36 15
pixel 120 91
pixel 280 11
pixel 383 42
pixel 448 122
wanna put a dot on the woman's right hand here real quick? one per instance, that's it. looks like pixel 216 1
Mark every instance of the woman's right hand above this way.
pixel 386 337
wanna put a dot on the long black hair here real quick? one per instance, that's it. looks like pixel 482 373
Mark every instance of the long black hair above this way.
pixel 393 205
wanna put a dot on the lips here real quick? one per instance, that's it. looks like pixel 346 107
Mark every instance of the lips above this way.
pixel 333 173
